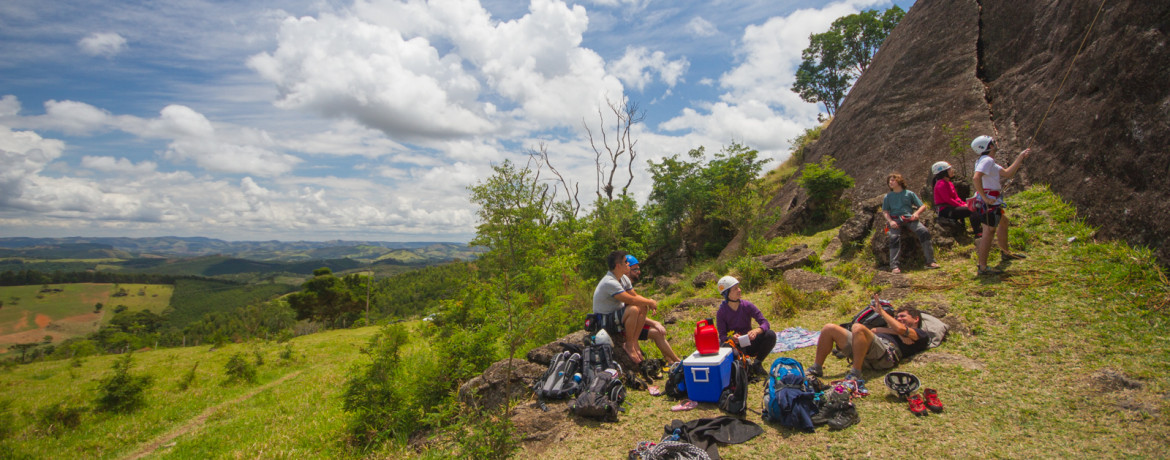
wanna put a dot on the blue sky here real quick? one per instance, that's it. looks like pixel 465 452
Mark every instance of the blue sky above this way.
pixel 364 120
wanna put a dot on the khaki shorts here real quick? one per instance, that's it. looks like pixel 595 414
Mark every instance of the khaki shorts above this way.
pixel 881 355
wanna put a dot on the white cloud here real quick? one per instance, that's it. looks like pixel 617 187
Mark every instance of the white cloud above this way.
pixel 117 165
pixel 105 44
pixel 24 155
pixel 635 68
pixel 701 27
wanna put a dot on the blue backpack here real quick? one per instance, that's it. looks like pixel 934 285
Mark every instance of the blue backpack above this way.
pixel 786 373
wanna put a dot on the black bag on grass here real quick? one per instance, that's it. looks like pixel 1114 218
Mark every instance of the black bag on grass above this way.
pixel 602 399
pixel 734 397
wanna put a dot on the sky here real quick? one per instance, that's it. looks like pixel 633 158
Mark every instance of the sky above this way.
pixel 368 119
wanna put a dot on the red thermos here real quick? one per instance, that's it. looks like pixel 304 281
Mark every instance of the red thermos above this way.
pixel 706 338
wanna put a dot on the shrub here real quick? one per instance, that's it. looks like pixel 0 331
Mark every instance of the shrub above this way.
pixel 188 378
pixel 122 392
pixel 239 369
pixel 54 419
pixel 372 395
pixel 488 437
pixel 287 353
pixel 787 301
pixel 752 273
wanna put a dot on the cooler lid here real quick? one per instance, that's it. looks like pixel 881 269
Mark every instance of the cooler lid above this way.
pixel 695 359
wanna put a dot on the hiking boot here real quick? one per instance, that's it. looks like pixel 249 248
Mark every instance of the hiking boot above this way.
pixel 917 407
pixel 988 271
pixel 932 401
pixel 815 370
pixel 844 418
pixel 758 369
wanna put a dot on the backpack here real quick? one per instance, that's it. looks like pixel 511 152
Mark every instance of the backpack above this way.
pixel 734 397
pixel 869 315
pixel 602 399
pixel 611 323
pixel 935 328
pixel 676 381
pixel 786 373
pixel 557 382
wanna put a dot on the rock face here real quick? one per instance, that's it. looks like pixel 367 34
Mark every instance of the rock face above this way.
pixel 809 282
pixel 486 391
pixel 794 257
pixel 996 65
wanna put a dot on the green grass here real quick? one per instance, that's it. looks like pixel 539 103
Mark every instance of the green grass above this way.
pixel 1018 387
pixel 1068 311
pixel 71 310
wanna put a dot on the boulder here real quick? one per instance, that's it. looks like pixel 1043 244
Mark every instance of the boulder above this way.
pixel 487 390
pixel 794 257
pixel 809 282
pixel 542 355
pixel 855 228
pixel 702 279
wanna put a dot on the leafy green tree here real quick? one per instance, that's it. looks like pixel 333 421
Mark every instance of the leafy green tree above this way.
pixel 836 58
pixel 824 183
pixel 326 298
pixel 714 199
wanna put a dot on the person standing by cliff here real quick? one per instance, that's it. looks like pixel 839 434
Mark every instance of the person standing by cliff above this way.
pixel 989 201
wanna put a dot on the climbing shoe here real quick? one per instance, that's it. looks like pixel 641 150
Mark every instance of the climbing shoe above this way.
pixel 932 401
pixel 917 407
pixel 844 418
pixel 815 370
pixel 854 374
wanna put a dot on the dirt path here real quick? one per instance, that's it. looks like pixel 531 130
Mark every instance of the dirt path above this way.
pixel 197 422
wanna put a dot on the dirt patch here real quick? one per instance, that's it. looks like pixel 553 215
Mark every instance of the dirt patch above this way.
pixel 1113 380
pixel 1125 393
pixel 537 428
pixel 949 360
pixel 43 320
pixel 21 323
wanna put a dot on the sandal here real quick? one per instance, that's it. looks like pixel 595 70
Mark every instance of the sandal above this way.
pixel 654 391
pixel 934 266
pixel 896 271
pixel 685 405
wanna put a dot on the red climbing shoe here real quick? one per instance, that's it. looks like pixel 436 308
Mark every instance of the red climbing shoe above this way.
pixel 932 401
pixel 916 405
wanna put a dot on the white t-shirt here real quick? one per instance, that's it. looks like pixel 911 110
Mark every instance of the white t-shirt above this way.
pixel 990 170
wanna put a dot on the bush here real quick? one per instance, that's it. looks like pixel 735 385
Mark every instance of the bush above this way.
pixel 488 436
pixel 188 378
pixel 54 419
pixel 239 369
pixel 122 392
pixel 752 273
pixel 372 395
pixel 787 301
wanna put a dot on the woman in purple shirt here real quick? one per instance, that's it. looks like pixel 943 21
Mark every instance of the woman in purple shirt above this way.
pixel 735 317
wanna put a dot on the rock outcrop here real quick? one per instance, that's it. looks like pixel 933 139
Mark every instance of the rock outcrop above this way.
pixel 996 65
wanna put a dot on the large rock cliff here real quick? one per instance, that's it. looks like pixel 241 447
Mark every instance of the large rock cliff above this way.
pixel 997 65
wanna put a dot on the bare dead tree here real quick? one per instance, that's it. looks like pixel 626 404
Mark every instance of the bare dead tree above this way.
pixel 626 115
pixel 571 190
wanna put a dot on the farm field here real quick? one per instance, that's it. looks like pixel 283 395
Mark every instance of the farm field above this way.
pixel 62 311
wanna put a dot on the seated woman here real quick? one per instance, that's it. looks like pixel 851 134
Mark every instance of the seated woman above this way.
pixel 901 208
pixel 947 200
pixel 735 315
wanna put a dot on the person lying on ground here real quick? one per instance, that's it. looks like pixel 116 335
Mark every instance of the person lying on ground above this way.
pixel 735 316
pixel 629 309
pixel 879 348
pixel 901 208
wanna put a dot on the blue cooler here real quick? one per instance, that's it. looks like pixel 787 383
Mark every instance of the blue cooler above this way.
pixel 707 375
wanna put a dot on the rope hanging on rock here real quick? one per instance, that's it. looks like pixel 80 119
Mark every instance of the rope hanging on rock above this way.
pixel 1066 73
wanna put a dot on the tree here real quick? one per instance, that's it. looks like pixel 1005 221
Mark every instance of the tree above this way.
pixel 618 152
pixel 325 298
pixel 836 58
pixel 122 391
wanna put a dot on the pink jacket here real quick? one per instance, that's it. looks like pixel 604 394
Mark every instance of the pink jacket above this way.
pixel 945 195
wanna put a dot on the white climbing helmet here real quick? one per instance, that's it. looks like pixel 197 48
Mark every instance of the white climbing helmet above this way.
pixel 939 167
pixel 603 338
pixel 982 144
pixel 725 283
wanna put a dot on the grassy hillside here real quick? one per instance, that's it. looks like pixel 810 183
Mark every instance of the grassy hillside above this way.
pixel 195 298
pixel 1064 356
pixel 1034 376
pixel 67 310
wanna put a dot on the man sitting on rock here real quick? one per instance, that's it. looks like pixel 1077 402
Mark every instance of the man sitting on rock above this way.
pixel 629 309
pixel 881 348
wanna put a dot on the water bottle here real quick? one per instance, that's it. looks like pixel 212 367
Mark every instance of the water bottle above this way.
pixel 577 377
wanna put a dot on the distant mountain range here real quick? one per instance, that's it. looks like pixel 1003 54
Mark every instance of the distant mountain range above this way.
pixel 277 251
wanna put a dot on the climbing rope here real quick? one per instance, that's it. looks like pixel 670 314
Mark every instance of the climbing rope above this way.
pixel 1066 73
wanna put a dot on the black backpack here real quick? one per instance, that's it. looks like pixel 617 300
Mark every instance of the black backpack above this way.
pixel 602 391
pixel 734 397
pixel 557 382
pixel 869 315
pixel 676 382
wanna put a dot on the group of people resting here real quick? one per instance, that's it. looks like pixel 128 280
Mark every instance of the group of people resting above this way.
pixel 902 207
pixel 879 348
